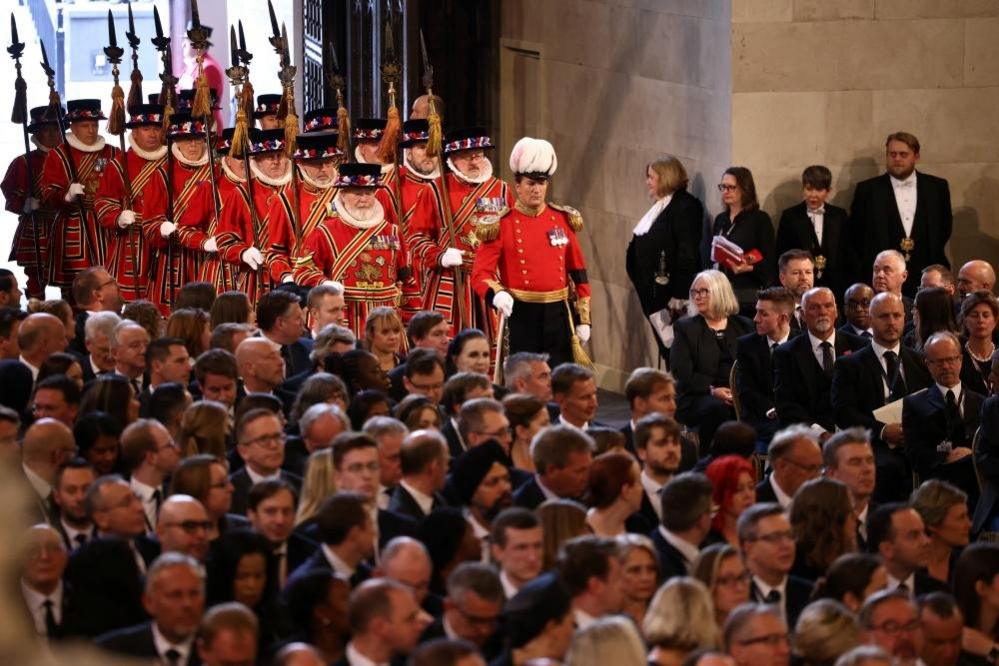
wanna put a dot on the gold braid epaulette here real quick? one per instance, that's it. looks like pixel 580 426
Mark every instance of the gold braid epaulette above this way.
pixel 575 217
pixel 487 229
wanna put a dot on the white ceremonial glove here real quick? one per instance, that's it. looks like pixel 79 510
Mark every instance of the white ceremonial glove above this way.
pixel 583 332
pixel 252 258
pixel 288 278
pixel 126 218
pixel 75 190
pixel 334 283
pixel 167 229
pixel 503 302
pixel 30 205
pixel 451 257
pixel 210 245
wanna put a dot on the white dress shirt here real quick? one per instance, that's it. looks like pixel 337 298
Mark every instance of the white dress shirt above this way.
pixel 562 421
pixel 338 565
pixel 509 589
pixel 355 658
pixel 958 395
pixel 687 549
pixel 423 500
pixel 879 352
pixel 817 346
pixel 905 199
pixel 910 584
pixel 257 478
pixel 34 370
pixel 782 497
pixel 163 646
pixel 652 490
pixel 145 494
pixel 36 604
pixel 766 589
pixel 817 216
pixel 40 485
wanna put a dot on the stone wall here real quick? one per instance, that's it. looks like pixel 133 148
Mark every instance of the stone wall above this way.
pixel 613 84
pixel 825 82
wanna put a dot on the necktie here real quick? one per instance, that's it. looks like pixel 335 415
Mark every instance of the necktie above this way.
pixel 866 334
pixel 80 539
pixel 903 587
pixel 282 558
pixel 827 358
pixel 953 416
pixel 172 657
pixel 891 368
pixel 136 386
pixel 773 597
pixel 773 346
pixel 157 500
pixel 51 627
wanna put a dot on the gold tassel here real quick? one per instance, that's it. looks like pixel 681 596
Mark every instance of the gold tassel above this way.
pixel 435 144
pixel 201 107
pixel 19 114
pixel 579 354
pixel 290 132
pixel 240 133
pixel 343 127
pixel 390 137
pixel 135 90
pixel 167 114
pixel 116 117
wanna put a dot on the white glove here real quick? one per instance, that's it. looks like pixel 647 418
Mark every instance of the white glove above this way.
pixel 30 205
pixel 451 257
pixel 583 332
pixel 126 218
pixel 210 245
pixel 503 302
pixel 75 190
pixel 167 229
pixel 252 258
pixel 288 278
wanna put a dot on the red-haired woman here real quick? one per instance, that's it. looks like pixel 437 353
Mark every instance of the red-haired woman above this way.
pixel 733 480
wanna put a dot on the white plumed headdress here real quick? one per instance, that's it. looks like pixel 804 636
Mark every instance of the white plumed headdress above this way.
pixel 533 157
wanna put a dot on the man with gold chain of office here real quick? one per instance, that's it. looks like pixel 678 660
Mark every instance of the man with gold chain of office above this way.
pixel 530 266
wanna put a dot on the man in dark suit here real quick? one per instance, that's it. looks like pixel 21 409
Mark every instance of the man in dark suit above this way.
pixel 685 525
pixel 376 639
pixel 424 471
pixel 562 458
pixel 472 608
pixel 857 310
pixel 271 511
pixel 262 370
pixel 319 426
pixel 46 598
pixel 282 321
pixel 849 458
pixel 820 228
pixel 795 458
pixel 754 355
pixel 803 366
pixel 768 549
pixel 516 545
pixel 261 446
pixel 896 532
pixel 94 290
pixel 406 560
pixel 10 322
pixel 880 373
pixel 175 600
pixel 69 491
pixel 939 423
pixel 903 210
pixel 426 330
pixel 459 389
pixel 659 449
pixel 796 273
pixel 347 538
pixel 96 341
pixel 47 445
pixel 651 390
pixel 662 256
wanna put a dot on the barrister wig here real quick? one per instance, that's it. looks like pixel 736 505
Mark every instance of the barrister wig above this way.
pixel 534 158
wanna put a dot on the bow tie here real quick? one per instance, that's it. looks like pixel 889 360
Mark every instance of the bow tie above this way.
pixel 821 210
pixel 906 184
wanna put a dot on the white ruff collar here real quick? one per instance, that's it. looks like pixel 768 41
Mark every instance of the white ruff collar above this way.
pixel 360 158
pixel 229 172
pixel 39 146
pixel 280 181
pixel 341 210
pixel 148 155
pixel 486 175
pixel 79 145
pixel 312 183
pixel 433 175
pixel 179 156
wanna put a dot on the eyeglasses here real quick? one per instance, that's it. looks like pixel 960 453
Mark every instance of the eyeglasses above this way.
pixel 724 187
pixel 169 445
pixel 695 293
pixel 812 470
pixel 192 526
pixel 105 284
pixel 775 537
pixel 733 579
pixel 276 439
pixel 950 360
pixel 357 468
pixel 771 640
pixel 892 627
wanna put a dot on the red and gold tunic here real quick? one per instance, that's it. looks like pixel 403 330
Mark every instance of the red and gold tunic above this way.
pixel 82 243
pixel 129 245
pixel 371 260
pixel 314 205
pixel 198 222
pixel 237 233
pixel 186 263
pixel 31 238
pixel 533 255
pixel 471 205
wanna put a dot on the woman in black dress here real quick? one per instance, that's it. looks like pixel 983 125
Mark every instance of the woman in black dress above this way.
pixel 744 224
pixel 703 352
pixel 664 252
